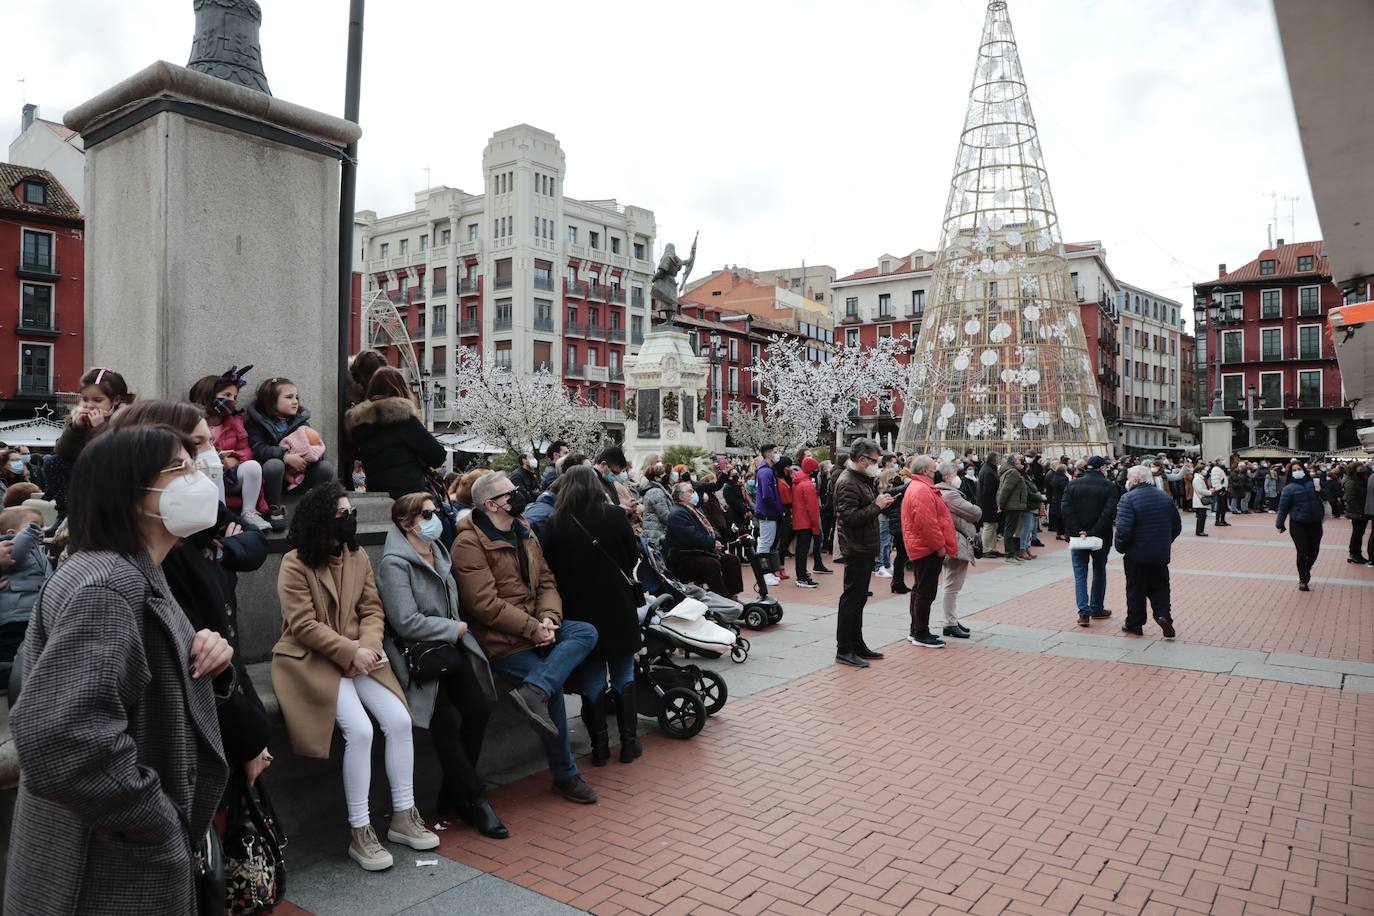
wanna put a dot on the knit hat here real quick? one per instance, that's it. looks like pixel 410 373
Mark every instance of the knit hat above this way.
pixel 810 465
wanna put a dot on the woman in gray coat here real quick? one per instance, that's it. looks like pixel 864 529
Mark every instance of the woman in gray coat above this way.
pixel 656 504
pixel 420 598
pixel 967 516
pixel 119 746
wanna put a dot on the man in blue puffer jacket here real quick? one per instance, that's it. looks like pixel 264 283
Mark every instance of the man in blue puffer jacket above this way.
pixel 1301 507
pixel 1147 521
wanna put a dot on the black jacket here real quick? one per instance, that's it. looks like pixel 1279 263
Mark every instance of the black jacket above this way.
pixel 1089 504
pixel 261 436
pixel 1058 482
pixel 988 482
pixel 394 446
pixel 524 481
pixel 737 507
pixel 593 591
pixel 856 515
pixel 968 488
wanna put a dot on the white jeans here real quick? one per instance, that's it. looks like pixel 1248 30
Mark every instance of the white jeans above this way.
pixel 956 571
pixel 250 484
pixel 355 693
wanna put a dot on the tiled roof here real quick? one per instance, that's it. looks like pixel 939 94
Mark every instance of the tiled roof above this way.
pixel 62 130
pixel 60 202
pixel 903 267
pixel 1285 267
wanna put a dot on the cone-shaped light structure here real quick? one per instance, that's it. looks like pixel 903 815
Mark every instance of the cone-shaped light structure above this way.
pixel 1001 361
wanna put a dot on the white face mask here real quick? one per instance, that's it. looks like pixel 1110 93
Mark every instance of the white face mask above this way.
pixel 1299 475
pixel 187 505
pixel 872 470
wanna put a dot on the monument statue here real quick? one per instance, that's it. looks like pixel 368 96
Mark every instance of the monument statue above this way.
pixel 226 43
pixel 666 289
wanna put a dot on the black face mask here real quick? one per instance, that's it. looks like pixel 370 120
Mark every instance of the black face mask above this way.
pixel 517 503
pixel 346 528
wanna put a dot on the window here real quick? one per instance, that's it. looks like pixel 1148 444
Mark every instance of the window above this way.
pixel 593 356
pixel 1310 388
pixel 572 355
pixel 1267 267
pixel 615 245
pixel 472 232
pixel 734 379
pixel 885 305
pixel 1309 341
pixel 918 303
pixel 594 239
pixel 35 192
pixel 503 315
pixel 851 338
pixel 543 315
pixel 639 250
pixel 884 330
pixel 1271 344
pixel 438 322
pixel 542 351
pixel 35 368
pixel 1271 390
pixel 1309 300
pixel 593 315
pixel 36 307
pixel 1232 346
pixel 385 249
pixel 613 362
pixel 424 242
pixel 636 328
pixel 615 399
pixel 734 349
pixel 851 307
pixel 446 237
pixel 503 354
pixel 1305 262
pixel 1271 303
pixel 1233 392
pixel 572 235
pixel 405 245
pixel 1073 281
pixel 543 274
pixel 886 266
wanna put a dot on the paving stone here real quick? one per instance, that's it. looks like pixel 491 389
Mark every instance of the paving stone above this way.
pixel 1288 659
pixel 490 896
pixel 1007 629
pixel 1358 684
pixel 1289 675
pixel 337 885
pixel 1020 643
pixel 1101 653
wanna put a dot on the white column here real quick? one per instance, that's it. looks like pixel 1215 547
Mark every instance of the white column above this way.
pixel 1331 427
pixel 1292 432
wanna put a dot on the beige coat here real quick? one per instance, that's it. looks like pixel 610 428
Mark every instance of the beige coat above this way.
pixel 321 632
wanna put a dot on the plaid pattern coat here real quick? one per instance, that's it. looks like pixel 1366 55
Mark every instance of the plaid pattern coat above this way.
pixel 119 749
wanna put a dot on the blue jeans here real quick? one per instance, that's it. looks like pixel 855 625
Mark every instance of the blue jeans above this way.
pixel 593 675
pixel 1027 532
pixel 1080 578
pixel 884 543
pixel 575 639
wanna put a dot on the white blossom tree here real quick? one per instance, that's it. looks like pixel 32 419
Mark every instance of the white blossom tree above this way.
pixel 753 427
pixel 521 411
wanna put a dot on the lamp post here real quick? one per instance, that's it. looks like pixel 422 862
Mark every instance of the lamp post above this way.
pixel 1250 408
pixel 1219 315
pixel 715 355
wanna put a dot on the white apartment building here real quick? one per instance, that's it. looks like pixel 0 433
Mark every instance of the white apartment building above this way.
pixel 894 290
pixel 521 271
pixel 49 145
pixel 1151 375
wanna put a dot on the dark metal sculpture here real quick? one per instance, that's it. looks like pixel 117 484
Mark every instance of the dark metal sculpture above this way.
pixel 648 413
pixel 226 44
pixel 666 288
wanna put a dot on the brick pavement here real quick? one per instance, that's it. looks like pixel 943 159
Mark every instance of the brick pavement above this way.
pixel 991 780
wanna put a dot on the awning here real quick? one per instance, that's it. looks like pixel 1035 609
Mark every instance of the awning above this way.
pixel 1352 329
pixel 36 433
pixel 459 442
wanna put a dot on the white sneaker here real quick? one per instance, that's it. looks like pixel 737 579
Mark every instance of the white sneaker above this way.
pixel 251 519
pixel 883 573
pixel 770 579
pixel 367 852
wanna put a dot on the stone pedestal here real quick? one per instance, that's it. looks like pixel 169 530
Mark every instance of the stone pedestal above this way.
pixel 212 235
pixel 668 384
pixel 1216 437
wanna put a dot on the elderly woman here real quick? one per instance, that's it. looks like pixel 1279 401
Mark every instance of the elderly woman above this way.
pixel 967 517
pixel 694 553
pixel 420 599
pixel 657 504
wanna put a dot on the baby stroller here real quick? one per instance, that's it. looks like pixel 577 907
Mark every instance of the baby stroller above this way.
pixel 657 581
pixel 765 610
pixel 683 695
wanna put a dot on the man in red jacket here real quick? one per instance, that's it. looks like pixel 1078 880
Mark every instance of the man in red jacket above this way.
pixel 928 532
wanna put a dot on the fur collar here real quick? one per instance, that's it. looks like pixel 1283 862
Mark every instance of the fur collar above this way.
pixel 381 413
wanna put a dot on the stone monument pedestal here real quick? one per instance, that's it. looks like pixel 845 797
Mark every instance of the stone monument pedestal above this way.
pixel 667 384
pixel 1216 437
pixel 212 236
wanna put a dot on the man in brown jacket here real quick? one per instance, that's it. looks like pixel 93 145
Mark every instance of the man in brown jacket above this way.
pixel 857 506
pixel 510 601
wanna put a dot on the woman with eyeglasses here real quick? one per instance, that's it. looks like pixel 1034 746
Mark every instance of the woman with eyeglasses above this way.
pixel 115 728
pixel 420 596
pixel 328 668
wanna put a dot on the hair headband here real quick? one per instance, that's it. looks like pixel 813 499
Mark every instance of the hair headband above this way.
pixel 102 370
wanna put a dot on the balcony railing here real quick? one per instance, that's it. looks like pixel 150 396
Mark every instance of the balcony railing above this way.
pixel 469 328
pixel 33 267
pixel 598 331
pixel 617 375
pixel 575 329
pixel 503 282
pixel 637 338
pixel 38 325
pixel 543 323
pixel 575 370
pixel 543 283
pixel 575 288
pixel 467 286
pixel 1271 356
pixel 618 296
pixel 599 291
pixel 502 323
pixel 438 329
pixel 439 292
pixel 617 335
pixel 1309 353
pixel 637 300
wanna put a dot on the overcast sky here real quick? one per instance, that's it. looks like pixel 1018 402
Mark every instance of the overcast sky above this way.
pixel 807 129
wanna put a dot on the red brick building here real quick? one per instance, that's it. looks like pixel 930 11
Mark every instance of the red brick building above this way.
pixel 1270 348
pixel 42 269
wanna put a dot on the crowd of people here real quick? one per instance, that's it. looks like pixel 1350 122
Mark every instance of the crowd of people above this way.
pixel 136 722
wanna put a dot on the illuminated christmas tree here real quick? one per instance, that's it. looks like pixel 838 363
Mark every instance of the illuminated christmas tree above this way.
pixel 1002 362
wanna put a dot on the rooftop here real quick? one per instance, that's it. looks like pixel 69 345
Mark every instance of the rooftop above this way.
pixel 1285 266
pixel 60 203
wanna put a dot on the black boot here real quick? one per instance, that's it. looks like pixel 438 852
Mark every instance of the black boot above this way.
pixel 627 715
pixel 594 717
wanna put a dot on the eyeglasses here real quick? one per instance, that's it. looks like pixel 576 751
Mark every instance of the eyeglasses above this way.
pixel 428 514
pixel 348 513
pixel 186 468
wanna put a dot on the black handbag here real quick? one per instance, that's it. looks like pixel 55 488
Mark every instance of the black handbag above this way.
pixel 254 866
pixel 208 868
pixel 429 660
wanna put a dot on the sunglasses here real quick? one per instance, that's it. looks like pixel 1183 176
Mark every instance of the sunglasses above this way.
pixel 428 514
pixel 348 513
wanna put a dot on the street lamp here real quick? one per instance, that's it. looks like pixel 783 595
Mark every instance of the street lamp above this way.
pixel 1250 408
pixel 1219 314
pixel 716 355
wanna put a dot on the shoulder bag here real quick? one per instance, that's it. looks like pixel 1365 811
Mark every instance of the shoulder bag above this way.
pixel 635 590
pixel 254 866
pixel 208 867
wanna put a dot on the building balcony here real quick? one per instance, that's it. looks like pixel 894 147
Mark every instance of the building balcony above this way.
pixel 610 414
pixel 438 329
pixel 637 338
pixel 419 295
pixel 543 283
pixel 469 287
pixel 502 323
pixel 597 374
pixel 915 316
pixel 617 335
pixel 543 323
pixel 637 302
pixel 575 370
pixel 618 296
pixel 503 282
pixel 438 292
pixel 33 267
pixel 575 289
pixel 598 331
pixel 1270 356
pixel 469 328
pixel 599 292
pixel 617 375
pixel 37 325
pixel 574 329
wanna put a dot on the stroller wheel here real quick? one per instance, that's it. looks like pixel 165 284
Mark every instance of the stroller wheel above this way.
pixel 775 615
pixel 755 618
pixel 739 652
pixel 711 687
pixel 681 713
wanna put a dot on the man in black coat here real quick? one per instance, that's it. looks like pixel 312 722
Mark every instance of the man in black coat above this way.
pixel 1088 509
pixel 1148 523
pixel 526 484
pixel 988 481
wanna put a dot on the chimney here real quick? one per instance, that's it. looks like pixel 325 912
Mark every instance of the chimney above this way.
pixel 1221 271
pixel 30 112
pixel 1280 244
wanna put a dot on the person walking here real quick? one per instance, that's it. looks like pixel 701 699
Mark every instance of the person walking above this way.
pixel 1220 482
pixel 768 508
pixel 987 501
pixel 1147 523
pixel 1012 493
pixel 1089 509
pixel 1202 494
pixel 966 517
pixel 1356 493
pixel 1300 507
pixel 928 532
pixel 857 507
